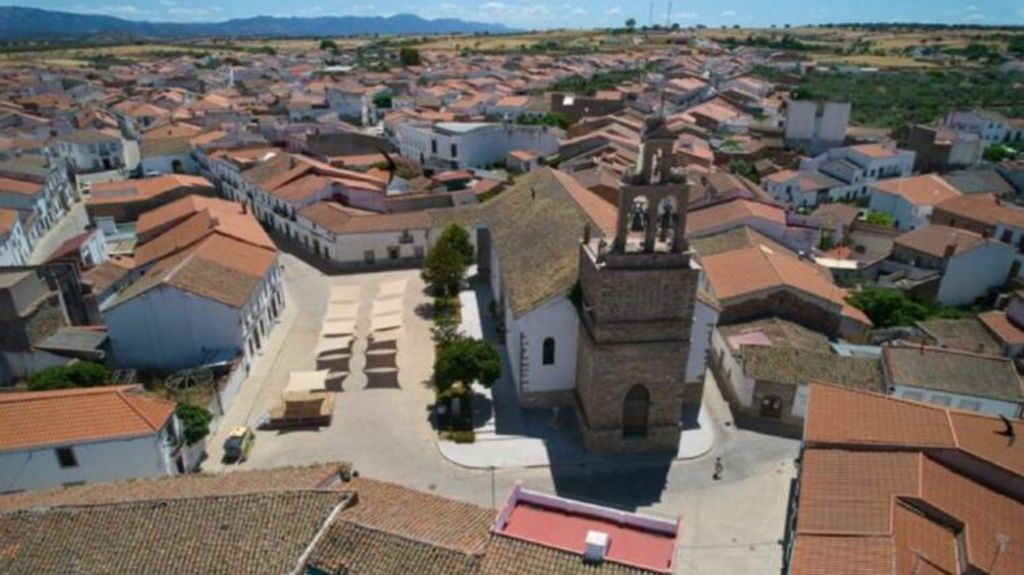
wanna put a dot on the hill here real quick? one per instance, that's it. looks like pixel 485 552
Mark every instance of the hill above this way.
pixel 21 23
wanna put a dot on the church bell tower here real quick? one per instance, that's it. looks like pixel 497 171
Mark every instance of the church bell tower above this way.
pixel 638 297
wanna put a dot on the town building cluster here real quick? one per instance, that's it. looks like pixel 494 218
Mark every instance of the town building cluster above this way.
pixel 642 219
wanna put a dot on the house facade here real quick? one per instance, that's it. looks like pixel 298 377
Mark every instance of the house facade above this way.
pixel 88 435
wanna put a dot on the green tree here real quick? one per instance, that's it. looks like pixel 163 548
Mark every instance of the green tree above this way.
pixel 998 153
pixel 631 24
pixel 409 56
pixel 81 374
pixel 195 422
pixel 880 219
pixel 328 45
pixel 446 262
pixel 888 307
pixel 466 360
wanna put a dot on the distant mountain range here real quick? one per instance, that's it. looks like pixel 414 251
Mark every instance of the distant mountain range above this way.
pixel 20 23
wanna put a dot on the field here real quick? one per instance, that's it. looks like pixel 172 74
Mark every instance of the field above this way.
pixel 882 47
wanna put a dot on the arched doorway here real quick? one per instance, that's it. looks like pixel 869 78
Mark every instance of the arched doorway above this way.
pixel 634 412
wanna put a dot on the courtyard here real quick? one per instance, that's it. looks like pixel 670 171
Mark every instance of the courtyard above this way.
pixel 731 525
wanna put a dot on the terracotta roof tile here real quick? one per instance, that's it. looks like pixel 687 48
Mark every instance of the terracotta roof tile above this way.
pixel 51 418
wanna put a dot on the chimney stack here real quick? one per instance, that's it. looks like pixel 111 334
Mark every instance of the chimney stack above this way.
pixel 950 250
pixel 597 546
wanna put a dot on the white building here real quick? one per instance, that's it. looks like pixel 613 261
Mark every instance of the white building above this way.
pixel 14 247
pixel 204 293
pixel 857 167
pixel 39 189
pixel 816 126
pixel 459 145
pixel 910 201
pixel 88 435
pixel 104 154
pixel 989 126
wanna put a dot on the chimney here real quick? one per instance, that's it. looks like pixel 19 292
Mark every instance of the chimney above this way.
pixel 597 546
pixel 950 250
pixel 245 208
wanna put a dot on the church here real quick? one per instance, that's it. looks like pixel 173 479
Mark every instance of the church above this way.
pixel 605 310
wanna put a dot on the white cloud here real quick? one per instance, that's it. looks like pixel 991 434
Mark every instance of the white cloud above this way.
pixel 728 13
pixel 613 11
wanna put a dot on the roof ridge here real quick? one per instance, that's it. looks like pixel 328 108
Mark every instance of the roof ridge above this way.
pixel 176 500
pixel 131 405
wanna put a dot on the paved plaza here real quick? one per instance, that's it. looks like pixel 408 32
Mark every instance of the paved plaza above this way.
pixel 729 526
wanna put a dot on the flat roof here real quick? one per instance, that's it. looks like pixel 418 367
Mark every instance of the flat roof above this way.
pixel 633 539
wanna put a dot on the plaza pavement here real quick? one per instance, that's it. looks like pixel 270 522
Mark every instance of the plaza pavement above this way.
pixel 732 525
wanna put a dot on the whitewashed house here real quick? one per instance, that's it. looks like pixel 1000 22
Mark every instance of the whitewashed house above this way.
pixel 38 187
pixel 14 246
pixel 89 435
pixel 459 145
pixel 98 156
pixel 212 287
pixel 910 201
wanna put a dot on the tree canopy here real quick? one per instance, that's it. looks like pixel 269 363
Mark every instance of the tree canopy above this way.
pixel 890 308
pixel 446 262
pixel 195 422
pixel 466 360
pixel 81 374
pixel 409 56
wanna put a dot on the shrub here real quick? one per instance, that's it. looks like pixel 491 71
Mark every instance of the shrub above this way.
pixel 465 436
pixel 195 422
pixel 81 374
pixel 446 262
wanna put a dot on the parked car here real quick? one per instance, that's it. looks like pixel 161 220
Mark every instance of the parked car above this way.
pixel 238 445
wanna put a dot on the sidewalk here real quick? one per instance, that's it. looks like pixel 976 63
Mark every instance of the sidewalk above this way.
pixel 558 446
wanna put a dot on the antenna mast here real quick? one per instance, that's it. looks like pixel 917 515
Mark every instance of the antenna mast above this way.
pixel 668 16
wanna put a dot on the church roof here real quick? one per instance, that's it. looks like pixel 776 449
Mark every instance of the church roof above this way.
pixel 536 226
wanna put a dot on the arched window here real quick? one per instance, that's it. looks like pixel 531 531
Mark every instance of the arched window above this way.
pixel 634 412
pixel 549 351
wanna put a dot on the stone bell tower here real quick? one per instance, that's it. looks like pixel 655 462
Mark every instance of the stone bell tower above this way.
pixel 637 311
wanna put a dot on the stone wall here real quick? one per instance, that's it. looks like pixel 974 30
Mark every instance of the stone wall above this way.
pixel 786 305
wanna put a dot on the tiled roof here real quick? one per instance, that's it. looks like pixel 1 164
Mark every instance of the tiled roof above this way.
pixel 36 419
pixel 871 507
pixel 1004 329
pixel 20 187
pixel 794 366
pixel 351 548
pixel 730 214
pixel 536 226
pixel 421 516
pixel 924 190
pixel 145 189
pixel 962 334
pixel 985 209
pixel 952 371
pixel 254 533
pixel 848 417
pixel 181 487
pixel 217 267
pixel 934 239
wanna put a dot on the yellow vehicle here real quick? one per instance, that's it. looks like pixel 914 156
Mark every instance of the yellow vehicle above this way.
pixel 238 445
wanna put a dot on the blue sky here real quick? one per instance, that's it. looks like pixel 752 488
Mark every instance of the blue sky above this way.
pixel 569 13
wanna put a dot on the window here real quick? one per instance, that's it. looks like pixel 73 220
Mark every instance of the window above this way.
pixel 405 237
pixel 433 146
pixel 455 150
pixel 943 400
pixel 1007 236
pixel 66 457
pixel 369 257
pixel 392 252
pixel 417 251
pixel 970 404
pixel 549 351
pixel 913 395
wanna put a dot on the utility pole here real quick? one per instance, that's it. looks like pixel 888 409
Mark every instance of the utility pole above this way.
pixel 650 15
pixel 668 16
